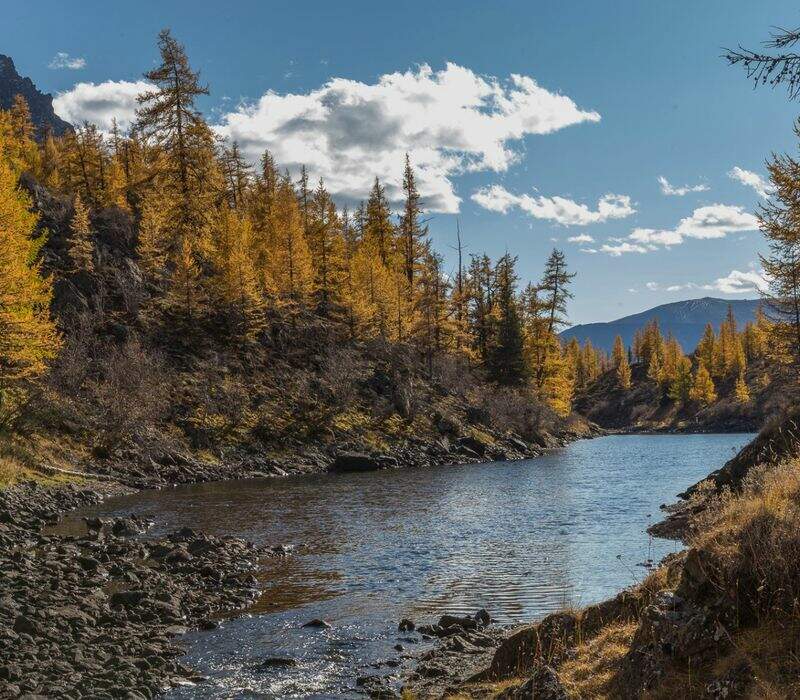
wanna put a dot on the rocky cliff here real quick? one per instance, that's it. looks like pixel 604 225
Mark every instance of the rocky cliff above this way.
pixel 40 103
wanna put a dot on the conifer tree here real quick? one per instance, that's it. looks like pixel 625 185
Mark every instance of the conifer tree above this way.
pixel 618 354
pixel 378 228
pixel 705 348
pixel 778 221
pixel 81 248
pixel 169 117
pixel 506 361
pixel 623 373
pixel 292 270
pixel 28 337
pixel 703 390
pixel 741 391
pixel 554 294
pixel 411 232
pixel 680 386
pixel 236 279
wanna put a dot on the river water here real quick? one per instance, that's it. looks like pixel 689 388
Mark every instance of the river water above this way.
pixel 519 539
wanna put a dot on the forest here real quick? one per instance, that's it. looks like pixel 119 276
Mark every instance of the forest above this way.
pixel 155 278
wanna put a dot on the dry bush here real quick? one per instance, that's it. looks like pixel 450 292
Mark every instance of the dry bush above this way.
pixel 518 410
pixel 130 393
pixel 221 410
pixel 342 372
pixel 753 539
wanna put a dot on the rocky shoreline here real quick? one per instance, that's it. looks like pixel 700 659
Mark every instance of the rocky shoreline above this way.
pixel 97 614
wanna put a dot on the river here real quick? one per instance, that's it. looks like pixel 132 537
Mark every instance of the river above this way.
pixel 519 539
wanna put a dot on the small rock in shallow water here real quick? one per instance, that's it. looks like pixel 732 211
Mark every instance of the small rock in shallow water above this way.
pixel 406 625
pixel 320 624
pixel 274 661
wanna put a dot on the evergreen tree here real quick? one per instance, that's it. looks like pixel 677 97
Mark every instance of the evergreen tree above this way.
pixel 506 361
pixel 412 233
pixel 680 386
pixel 778 220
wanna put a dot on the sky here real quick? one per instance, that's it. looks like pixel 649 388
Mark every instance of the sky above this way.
pixel 612 130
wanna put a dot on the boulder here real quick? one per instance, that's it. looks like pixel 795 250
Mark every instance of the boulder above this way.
pixel 355 462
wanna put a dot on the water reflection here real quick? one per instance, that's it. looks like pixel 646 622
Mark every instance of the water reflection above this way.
pixel 518 538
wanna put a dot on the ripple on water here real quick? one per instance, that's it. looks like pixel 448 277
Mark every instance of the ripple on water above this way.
pixel 520 539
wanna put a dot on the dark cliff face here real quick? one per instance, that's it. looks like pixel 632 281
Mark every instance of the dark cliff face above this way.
pixel 40 103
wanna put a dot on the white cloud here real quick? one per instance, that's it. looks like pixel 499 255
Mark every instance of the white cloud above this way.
pixel 100 103
pixel 750 179
pixel 64 60
pixel 717 221
pixel 712 221
pixel 590 251
pixel 735 282
pixel 558 209
pixel 450 121
pixel 670 190
pixel 621 248
pixel 582 238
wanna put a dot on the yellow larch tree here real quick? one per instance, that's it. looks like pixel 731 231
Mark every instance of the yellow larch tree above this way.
pixel 28 337
pixel 81 247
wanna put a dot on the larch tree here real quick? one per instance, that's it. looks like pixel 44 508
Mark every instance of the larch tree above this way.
pixel 28 337
pixel 81 247
pixel 554 293
pixel 168 117
pixel 378 228
pixel 778 221
pixel 621 365
pixel 703 390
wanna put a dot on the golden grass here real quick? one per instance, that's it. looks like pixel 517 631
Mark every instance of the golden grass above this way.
pixel 590 673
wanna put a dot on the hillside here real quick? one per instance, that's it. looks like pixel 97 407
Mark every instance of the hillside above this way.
pixel 684 319
pixel 40 104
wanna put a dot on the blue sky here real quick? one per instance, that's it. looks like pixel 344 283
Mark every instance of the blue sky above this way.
pixel 667 104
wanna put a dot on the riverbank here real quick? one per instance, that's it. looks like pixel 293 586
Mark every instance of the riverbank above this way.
pixel 717 620
pixel 106 606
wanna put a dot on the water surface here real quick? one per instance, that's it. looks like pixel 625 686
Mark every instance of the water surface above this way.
pixel 520 539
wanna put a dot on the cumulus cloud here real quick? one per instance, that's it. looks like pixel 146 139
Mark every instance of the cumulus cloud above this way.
pixel 748 178
pixel 582 238
pixel 100 103
pixel 671 190
pixel 558 209
pixel 712 221
pixel 450 121
pixel 63 60
pixel 735 282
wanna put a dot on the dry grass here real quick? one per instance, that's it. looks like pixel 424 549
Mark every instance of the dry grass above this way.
pixel 591 671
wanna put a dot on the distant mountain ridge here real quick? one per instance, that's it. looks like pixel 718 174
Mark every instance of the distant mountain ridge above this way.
pixel 686 320
pixel 40 103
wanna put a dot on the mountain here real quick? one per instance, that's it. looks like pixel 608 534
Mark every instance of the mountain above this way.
pixel 40 103
pixel 684 319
